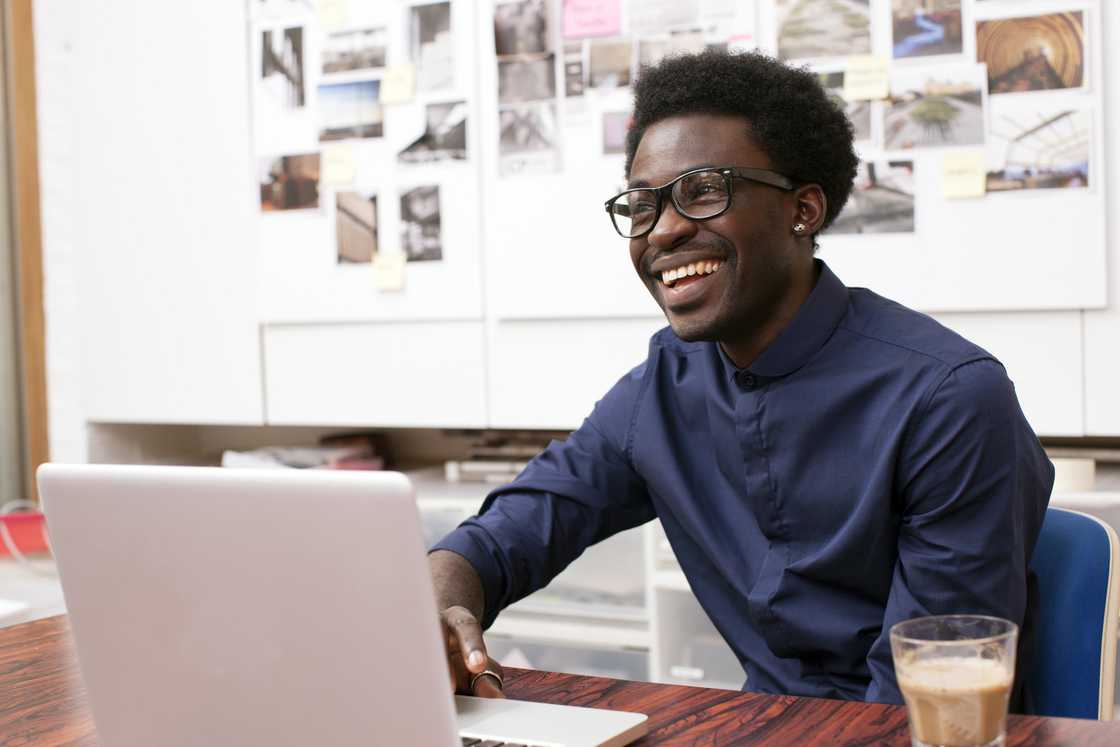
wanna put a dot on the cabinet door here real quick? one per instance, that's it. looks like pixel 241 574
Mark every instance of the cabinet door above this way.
pixel 550 373
pixel 408 375
pixel 165 240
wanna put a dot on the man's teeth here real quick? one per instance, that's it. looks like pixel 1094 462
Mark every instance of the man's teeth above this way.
pixel 696 268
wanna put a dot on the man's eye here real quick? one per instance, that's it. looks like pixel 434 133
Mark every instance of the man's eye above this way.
pixel 638 208
pixel 702 191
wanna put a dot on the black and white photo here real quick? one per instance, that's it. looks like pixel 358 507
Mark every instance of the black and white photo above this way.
pixel 432 46
pixel 359 49
pixel 521 27
pixel 444 136
pixel 523 80
pixel 420 224
pixel 282 78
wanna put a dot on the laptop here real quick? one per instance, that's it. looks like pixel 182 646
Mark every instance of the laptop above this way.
pixel 259 607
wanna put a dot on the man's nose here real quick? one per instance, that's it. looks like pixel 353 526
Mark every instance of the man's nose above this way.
pixel 672 229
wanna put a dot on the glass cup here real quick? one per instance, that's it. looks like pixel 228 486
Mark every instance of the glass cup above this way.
pixel 955 673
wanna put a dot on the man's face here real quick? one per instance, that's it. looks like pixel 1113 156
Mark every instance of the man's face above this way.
pixel 752 243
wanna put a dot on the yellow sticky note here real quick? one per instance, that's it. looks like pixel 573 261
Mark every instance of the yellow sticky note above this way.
pixel 332 13
pixel 963 174
pixel 866 77
pixel 388 270
pixel 398 84
pixel 338 166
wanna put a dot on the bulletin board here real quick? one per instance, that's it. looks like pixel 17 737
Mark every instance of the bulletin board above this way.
pixel 366 147
pixel 982 186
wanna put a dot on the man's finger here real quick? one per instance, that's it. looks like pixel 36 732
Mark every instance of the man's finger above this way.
pixel 486 686
pixel 468 633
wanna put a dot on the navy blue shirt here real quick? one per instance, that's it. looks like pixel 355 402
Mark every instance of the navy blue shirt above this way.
pixel 869 467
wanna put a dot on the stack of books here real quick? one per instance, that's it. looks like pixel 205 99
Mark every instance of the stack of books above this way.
pixel 497 458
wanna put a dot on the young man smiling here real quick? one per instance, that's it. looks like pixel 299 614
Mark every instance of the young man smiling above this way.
pixel 825 462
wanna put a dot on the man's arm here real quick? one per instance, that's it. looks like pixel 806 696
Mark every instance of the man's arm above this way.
pixel 576 493
pixel 973 486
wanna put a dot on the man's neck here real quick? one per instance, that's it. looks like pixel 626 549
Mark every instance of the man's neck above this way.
pixel 743 352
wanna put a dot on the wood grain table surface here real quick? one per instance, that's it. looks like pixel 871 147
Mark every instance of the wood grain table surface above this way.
pixel 43 702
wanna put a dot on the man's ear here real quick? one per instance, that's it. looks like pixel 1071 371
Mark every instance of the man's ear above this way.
pixel 810 207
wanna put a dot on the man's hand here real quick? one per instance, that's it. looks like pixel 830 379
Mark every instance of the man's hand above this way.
pixel 473 672
pixel 459 599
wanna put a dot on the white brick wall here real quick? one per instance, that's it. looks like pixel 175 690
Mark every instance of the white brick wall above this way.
pixel 55 27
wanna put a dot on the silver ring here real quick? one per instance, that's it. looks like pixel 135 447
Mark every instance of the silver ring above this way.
pixel 485 672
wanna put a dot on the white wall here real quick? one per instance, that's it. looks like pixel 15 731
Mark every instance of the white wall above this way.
pixel 55 23
pixel 1065 364
pixel 1102 328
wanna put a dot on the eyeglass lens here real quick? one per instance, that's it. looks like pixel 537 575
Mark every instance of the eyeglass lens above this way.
pixel 698 196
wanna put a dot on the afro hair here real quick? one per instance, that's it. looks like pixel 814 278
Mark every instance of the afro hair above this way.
pixel 807 136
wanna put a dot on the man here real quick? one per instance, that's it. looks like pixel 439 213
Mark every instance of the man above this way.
pixel 825 462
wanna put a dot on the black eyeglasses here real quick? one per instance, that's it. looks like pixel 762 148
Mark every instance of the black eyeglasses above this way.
pixel 699 194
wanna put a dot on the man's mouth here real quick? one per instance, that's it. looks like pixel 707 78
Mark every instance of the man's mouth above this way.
pixel 689 273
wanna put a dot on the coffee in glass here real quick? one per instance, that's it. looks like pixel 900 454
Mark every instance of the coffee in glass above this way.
pixel 955 674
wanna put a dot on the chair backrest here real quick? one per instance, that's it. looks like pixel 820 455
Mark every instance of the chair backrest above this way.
pixel 1077 561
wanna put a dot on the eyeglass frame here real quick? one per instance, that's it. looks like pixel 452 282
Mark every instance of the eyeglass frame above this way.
pixel 760 176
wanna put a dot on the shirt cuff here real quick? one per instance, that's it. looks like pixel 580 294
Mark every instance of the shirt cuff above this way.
pixel 471 543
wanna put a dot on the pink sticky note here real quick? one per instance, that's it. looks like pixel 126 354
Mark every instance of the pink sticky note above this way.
pixel 592 18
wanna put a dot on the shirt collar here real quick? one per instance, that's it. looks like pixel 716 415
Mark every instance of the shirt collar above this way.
pixel 810 329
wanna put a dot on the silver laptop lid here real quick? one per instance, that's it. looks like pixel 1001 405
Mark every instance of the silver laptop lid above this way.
pixel 215 606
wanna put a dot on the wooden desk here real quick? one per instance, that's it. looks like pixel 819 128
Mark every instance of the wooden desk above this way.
pixel 42 702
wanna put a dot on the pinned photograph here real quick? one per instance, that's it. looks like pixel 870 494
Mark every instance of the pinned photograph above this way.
pixel 526 79
pixel 690 41
pixel 420 224
pixel 574 82
pixel 355 221
pixel 361 49
pixel 289 182
pixel 431 46
pixel 823 28
pixel 934 109
pixel 445 135
pixel 926 27
pixel 521 27
pixel 615 126
pixel 1034 148
pixel 610 63
pixel 527 138
pixel 858 112
pixel 1035 53
pixel 282 77
pixel 882 200
pixel 349 110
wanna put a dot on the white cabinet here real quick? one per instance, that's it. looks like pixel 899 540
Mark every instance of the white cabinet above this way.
pixel 165 237
pixel 408 374
pixel 550 373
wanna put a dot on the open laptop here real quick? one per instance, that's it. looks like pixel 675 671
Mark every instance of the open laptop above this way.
pixel 261 607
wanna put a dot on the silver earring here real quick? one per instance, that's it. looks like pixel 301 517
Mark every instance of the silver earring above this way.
pixel 799 227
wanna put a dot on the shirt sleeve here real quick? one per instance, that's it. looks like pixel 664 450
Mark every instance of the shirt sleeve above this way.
pixel 973 487
pixel 574 494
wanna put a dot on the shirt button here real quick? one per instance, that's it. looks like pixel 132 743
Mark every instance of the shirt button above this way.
pixel 747 380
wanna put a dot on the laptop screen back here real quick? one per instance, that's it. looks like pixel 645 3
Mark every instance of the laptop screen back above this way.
pixel 215 606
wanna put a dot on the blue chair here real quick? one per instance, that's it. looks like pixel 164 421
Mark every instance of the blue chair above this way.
pixel 1077 560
